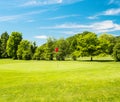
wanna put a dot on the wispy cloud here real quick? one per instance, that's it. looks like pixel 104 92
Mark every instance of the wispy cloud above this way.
pixel 47 2
pixel 93 17
pixel 30 21
pixel 117 2
pixel 41 37
pixel 112 12
pixel 9 18
pixel 63 17
pixel 71 32
pixel 99 27
pixel 105 26
pixel 65 26
pixel 40 2
pixel 111 2
pixel 109 12
pixel 19 16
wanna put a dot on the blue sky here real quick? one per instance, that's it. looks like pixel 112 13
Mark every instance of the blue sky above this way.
pixel 39 19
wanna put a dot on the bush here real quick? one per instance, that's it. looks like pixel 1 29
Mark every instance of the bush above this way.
pixel 74 55
pixel 74 58
pixel 36 56
pixel 26 55
pixel 60 56
pixel 116 52
pixel 57 56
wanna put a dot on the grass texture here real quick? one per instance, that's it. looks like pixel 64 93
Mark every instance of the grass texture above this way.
pixel 59 81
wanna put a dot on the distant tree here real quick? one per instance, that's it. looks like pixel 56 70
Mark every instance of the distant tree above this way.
pixel 33 47
pixel 107 43
pixel 72 47
pixel 75 54
pixel 4 39
pixel 87 44
pixel 39 53
pixel 116 52
pixel 0 48
pixel 72 43
pixel 117 39
pixel 12 44
pixel 50 48
pixel 26 55
pixel 62 45
pixel 24 50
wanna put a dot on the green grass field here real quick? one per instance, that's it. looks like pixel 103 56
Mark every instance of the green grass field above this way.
pixel 64 81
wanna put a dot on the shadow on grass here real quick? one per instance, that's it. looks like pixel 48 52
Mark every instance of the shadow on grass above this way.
pixel 96 61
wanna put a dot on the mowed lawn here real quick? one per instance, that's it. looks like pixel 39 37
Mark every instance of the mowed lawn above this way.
pixel 59 81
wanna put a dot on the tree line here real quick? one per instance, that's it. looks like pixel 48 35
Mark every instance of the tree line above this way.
pixel 79 45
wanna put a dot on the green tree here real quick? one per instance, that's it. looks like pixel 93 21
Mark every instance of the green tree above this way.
pixel 33 47
pixel 72 43
pixel 26 55
pixel 39 53
pixel 116 52
pixel 87 44
pixel 75 54
pixel 12 44
pixel 4 39
pixel 50 48
pixel 24 50
pixel 107 43
pixel 117 39
pixel 0 48
pixel 62 45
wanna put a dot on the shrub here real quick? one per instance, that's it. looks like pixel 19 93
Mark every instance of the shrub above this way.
pixel 116 52
pixel 26 55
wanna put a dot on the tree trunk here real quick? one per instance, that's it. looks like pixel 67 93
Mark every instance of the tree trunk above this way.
pixel 91 59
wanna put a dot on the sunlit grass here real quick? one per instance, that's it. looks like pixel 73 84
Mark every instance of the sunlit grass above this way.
pixel 54 81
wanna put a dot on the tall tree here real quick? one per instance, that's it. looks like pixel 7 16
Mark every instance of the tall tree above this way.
pixel 12 44
pixel 4 39
pixel 87 44
pixel 0 48
pixel 62 45
pixel 72 43
pixel 50 48
pixel 107 42
pixel 117 39
pixel 33 47
pixel 72 47
pixel 39 53
pixel 116 52
pixel 24 50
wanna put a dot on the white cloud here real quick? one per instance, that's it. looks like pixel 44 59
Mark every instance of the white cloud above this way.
pixel 47 2
pixel 8 18
pixel 65 26
pixel 62 17
pixel 112 12
pixel 72 32
pixel 109 12
pixel 30 21
pixel 99 27
pixel 105 26
pixel 29 3
pixel 111 2
pixel 92 17
pixel 116 2
pixel 41 37
pixel 40 2
pixel 68 32
pixel 19 16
